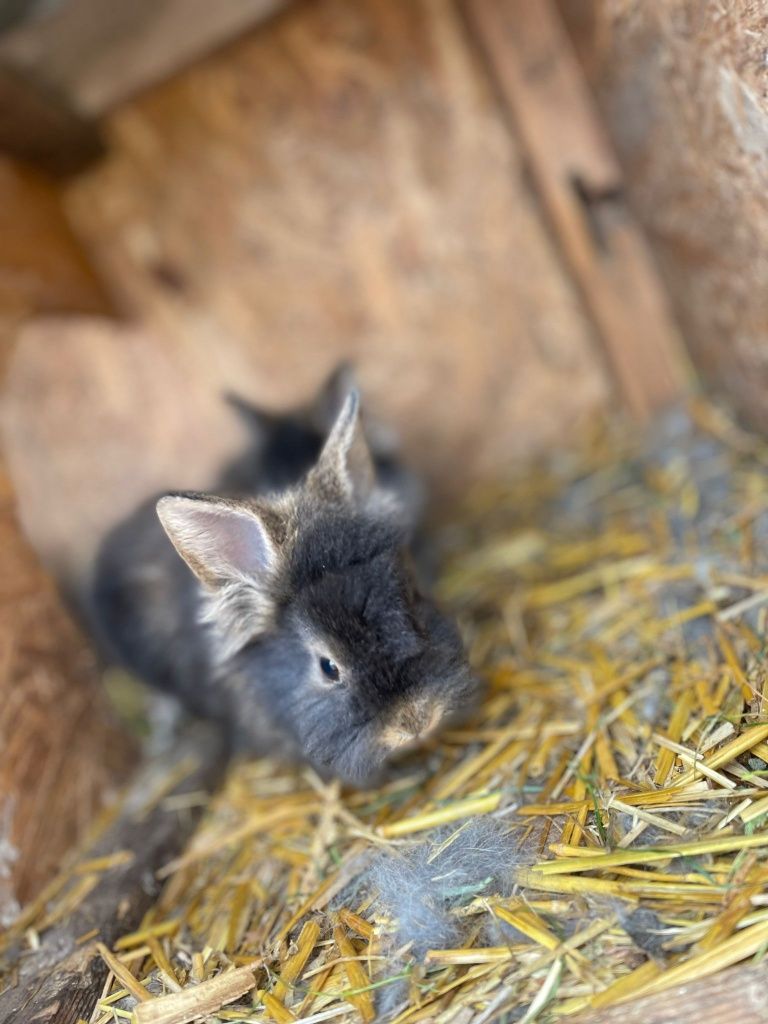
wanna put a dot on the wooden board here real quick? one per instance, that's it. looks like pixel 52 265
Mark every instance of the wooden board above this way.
pixel 59 982
pixel 736 996
pixel 342 183
pixel 38 125
pixel 91 55
pixel 61 751
pixel 580 185
pixel 681 86
pixel 42 265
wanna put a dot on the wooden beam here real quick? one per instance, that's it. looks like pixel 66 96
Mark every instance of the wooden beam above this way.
pixel 93 55
pixel 37 125
pixel 737 995
pixel 580 185
pixel 60 981
pixel 43 268
pixel 62 753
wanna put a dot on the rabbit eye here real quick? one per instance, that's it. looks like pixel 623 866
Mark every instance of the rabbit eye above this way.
pixel 329 669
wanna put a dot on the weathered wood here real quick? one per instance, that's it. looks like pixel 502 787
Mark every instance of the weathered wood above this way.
pixel 681 86
pixel 339 184
pixel 42 266
pixel 580 185
pixel 37 125
pixel 60 981
pixel 61 750
pixel 736 996
pixel 93 55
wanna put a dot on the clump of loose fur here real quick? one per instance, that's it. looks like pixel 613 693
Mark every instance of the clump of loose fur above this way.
pixel 418 890
pixel 419 887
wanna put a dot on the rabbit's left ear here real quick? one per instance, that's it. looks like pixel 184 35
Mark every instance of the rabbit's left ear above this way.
pixel 344 471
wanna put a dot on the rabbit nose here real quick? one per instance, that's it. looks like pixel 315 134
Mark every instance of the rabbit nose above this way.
pixel 412 725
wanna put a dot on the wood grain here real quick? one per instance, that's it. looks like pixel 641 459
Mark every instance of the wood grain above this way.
pixel 681 87
pixel 61 750
pixel 60 981
pixel 735 996
pixel 42 265
pixel 580 185
pixel 62 753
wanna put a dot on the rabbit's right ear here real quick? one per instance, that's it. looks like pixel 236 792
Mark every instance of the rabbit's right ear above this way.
pixel 327 405
pixel 344 472
pixel 221 541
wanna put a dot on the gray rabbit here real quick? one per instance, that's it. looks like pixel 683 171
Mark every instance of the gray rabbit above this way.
pixel 293 614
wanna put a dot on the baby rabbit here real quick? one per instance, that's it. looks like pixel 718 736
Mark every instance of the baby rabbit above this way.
pixel 292 614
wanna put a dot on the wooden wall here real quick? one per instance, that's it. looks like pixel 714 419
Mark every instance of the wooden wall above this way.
pixel 62 755
pixel 682 85
pixel 339 183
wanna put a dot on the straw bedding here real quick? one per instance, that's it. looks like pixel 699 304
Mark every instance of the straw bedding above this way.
pixel 596 832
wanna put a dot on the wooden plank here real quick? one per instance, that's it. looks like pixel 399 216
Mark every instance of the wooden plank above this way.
pixel 42 266
pixel 737 995
pixel 683 96
pixel 61 750
pixel 60 981
pixel 93 54
pixel 62 753
pixel 37 125
pixel 580 184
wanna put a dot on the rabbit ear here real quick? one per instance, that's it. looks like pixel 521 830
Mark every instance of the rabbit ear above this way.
pixel 221 541
pixel 330 398
pixel 344 472
pixel 255 419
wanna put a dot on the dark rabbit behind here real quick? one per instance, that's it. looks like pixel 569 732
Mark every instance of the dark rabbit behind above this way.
pixel 292 614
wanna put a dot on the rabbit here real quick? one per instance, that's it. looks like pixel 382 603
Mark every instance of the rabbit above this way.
pixel 288 607
pixel 284 446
